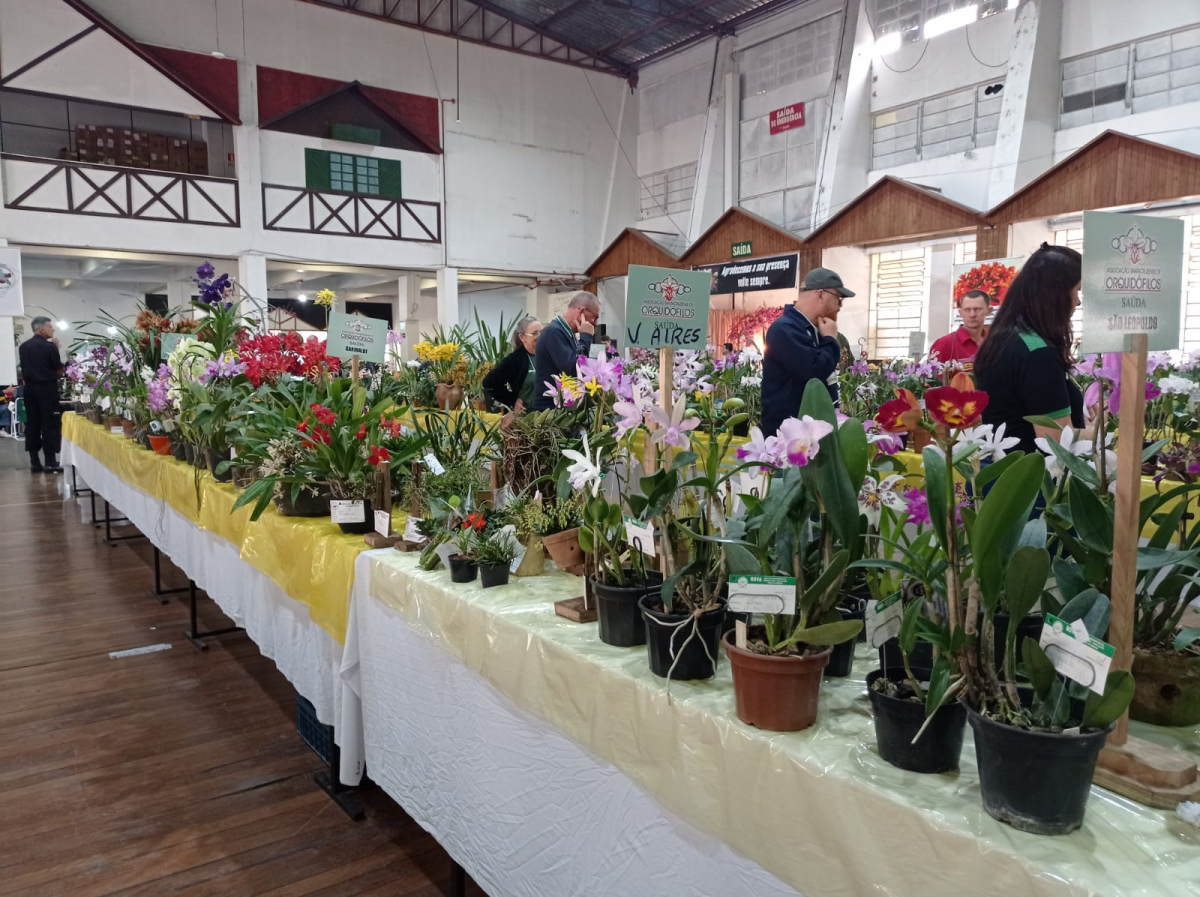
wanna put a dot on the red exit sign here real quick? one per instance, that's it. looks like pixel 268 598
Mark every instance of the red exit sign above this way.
pixel 787 118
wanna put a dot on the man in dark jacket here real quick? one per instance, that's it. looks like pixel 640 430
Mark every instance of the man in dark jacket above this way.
pixel 558 347
pixel 42 366
pixel 801 346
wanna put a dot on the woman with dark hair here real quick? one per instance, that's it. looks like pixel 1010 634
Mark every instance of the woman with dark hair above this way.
pixel 511 382
pixel 1023 363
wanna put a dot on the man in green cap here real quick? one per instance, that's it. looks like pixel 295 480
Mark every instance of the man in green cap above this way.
pixel 802 345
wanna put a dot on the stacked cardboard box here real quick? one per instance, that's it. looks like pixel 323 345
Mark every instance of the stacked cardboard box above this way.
pixel 198 157
pixel 139 149
pixel 177 155
pixel 85 142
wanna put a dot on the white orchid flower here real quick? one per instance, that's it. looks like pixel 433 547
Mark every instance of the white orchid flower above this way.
pixel 585 472
pixel 875 496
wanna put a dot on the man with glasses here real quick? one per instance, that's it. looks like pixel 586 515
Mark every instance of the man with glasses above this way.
pixel 558 347
pixel 802 345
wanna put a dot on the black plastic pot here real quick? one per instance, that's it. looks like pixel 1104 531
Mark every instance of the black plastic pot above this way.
pixel 617 608
pixel 179 450
pixel 189 453
pixel 367 525
pixel 898 721
pixel 1035 781
pixel 1030 626
pixel 890 657
pixel 842 659
pixel 683 646
pixel 213 459
pixel 305 505
pixel 492 575
pixel 463 569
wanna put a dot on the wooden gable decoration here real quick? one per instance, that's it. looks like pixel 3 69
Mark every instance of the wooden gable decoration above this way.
pixel 631 247
pixel 737 225
pixel 893 211
pixel 1111 171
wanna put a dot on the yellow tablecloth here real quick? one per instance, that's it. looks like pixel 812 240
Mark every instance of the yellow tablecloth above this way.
pixel 819 809
pixel 312 560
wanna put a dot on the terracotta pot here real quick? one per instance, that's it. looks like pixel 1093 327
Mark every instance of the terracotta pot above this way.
pixel 778 694
pixel 127 427
pixel 564 550
pixel 111 422
pixel 449 396
pixel 918 439
pixel 160 445
pixel 479 404
pixel 1168 689
pixel 534 561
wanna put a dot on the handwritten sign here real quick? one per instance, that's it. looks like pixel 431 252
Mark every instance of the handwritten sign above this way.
pixel 762 594
pixel 666 308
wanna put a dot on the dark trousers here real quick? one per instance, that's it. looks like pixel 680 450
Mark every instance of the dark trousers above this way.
pixel 43 419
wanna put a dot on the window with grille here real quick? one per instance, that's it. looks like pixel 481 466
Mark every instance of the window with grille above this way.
pixel 899 299
pixel 1153 73
pixel 668 192
pixel 1191 284
pixel 324 170
pixel 964 252
pixel 939 126
pixel 1072 238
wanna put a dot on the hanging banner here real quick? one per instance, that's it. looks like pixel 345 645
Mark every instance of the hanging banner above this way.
pixel 351 335
pixel 12 297
pixel 666 307
pixel 1132 280
pixel 776 272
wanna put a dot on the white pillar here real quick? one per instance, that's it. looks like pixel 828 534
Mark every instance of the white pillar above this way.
pixel 732 102
pixel 248 156
pixel 179 295
pixel 407 310
pixel 252 277
pixel 447 297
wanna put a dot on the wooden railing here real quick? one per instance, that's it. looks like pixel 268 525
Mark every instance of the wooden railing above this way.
pixel 340 214
pixel 34 184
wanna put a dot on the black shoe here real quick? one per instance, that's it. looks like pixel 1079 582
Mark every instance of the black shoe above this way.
pixel 36 467
pixel 52 465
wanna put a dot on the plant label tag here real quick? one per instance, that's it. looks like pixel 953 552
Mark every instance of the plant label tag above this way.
pixel 383 523
pixel 85 396
pixel 739 633
pixel 883 619
pixel 117 430
pixel 232 453
pixel 750 483
pixel 762 594
pixel 501 496
pixel 596 351
pixel 444 551
pixel 1075 654
pixel 434 465
pixel 347 511
pixel 411 532
pixel 517 558
pixel 640 536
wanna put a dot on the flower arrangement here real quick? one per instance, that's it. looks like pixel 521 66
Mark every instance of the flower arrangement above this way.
pixel 267 357
pixel 441 357
pixel 749 328
pixel 992 278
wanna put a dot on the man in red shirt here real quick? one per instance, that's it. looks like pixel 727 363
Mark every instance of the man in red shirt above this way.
pixel 963 343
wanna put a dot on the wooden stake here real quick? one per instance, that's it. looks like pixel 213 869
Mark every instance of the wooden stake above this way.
pixel 354 371
pixel 1129 495
pixel 666 395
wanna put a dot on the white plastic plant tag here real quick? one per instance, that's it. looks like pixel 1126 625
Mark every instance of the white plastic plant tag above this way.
pixel 762 594
pixel 117 430
pixel 596 351
pixel 434 465
pixel 517 558
pixel 883 619
pixel 232 453
pixel 347 511
pixel 1076 655
pixel 739 633
pixel 750 483
pixel 383 523
pixel 640 536
pixel 411 532
pixel 444 551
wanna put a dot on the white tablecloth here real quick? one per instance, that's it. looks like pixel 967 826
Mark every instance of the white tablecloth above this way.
pixel 524 809
pixel 277 623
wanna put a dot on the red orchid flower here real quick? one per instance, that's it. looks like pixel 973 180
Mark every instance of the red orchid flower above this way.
pixel 958 405
pixel 362 432
pixel 474 521
pixel 901 414
pixel 378 455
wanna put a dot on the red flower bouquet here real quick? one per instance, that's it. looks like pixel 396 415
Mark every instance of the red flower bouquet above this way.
pixel 992 278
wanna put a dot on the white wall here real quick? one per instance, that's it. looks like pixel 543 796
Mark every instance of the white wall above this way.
pixel 853 265
pixel 508 301
pixel 1091 25
pixel 283 162
pixel 962 177
pixel 1177 126
pixel 80 302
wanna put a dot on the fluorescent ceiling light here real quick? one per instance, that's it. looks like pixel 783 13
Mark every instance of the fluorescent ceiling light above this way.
pixel 62 325
pixel 1013 4
pixel 889 43
pixel 302 297
pixel 959 18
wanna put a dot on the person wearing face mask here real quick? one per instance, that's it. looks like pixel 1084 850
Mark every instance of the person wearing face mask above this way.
pixel 802 345
pixel 562 342
pixel 963 344
pixel 511 382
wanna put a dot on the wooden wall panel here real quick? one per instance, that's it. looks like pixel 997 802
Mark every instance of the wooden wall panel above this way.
pixel 632 247
pixel 991 242
pixel 736 226
pixel 810 257
pixel 893 211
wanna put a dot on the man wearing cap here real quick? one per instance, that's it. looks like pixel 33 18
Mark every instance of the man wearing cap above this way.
pixel 801 346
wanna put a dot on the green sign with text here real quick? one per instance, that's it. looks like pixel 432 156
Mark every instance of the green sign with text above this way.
pixel 1132 280
pixel 742 250
pixel 666 308
pixel 357 335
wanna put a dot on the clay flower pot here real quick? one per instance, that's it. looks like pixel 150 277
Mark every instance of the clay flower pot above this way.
pixel 776 693
pixel 161 445
pixel 1168 689
pixel 564 550
pixel 127 427
pixel 449 396
pixel 533 562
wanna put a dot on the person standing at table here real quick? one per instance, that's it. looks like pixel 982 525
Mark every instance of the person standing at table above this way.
pixel 1023 364
pixel 963 344
pixel 559 347
pixel 512 381
pixel 802 345
pixel 42 367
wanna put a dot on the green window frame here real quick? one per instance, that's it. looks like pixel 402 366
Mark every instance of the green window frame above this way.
pixel 349 173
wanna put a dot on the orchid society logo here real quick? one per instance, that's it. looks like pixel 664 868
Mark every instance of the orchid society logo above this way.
pixel 8 280
pixel 1134 244
pixel 669 288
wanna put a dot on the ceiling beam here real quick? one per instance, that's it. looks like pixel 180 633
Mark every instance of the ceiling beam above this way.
pixel 730 27
pixel 676 16
pixel 529 24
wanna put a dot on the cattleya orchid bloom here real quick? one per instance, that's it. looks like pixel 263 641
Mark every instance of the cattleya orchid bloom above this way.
pixel 875 496
pixel 673 429
pixel 901 414
pixel 799 439
pixel 631 412
pixel 585 472
pixel 958 405
pixel 760 449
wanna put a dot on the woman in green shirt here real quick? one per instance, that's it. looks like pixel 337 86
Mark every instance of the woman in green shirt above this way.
pixel 511 382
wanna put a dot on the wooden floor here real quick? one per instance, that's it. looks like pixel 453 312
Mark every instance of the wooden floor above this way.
pixel 177 772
